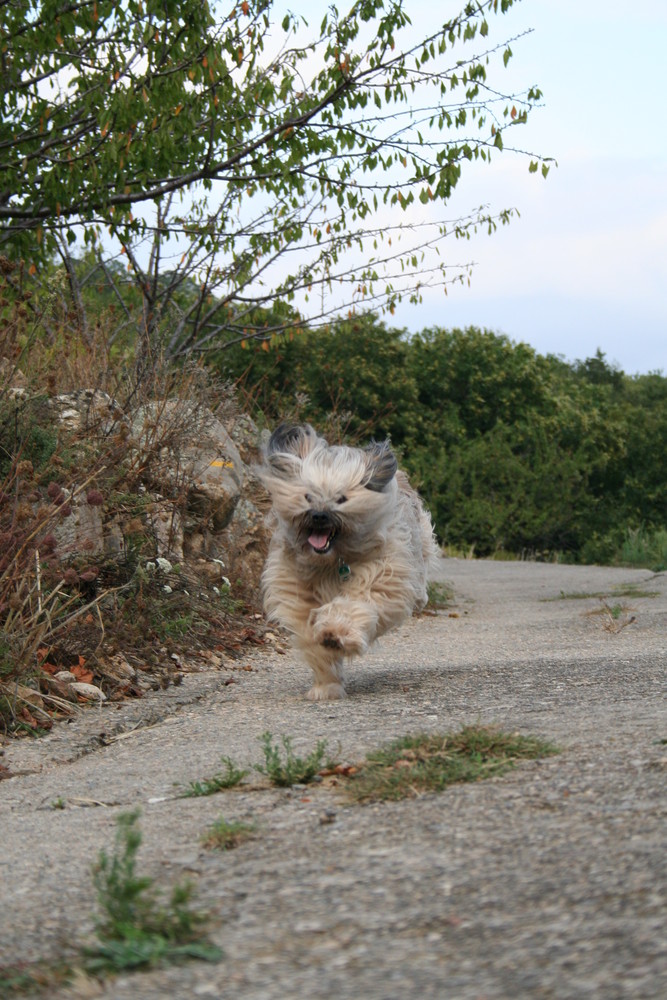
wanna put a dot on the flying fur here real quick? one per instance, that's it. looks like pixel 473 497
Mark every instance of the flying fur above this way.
pixel 351 550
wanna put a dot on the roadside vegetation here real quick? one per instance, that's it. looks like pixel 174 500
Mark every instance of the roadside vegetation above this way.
pixel 429 763
pixel 516 454
pixel 283 767
pixel 229 778
pixel 137 928
pixel 409 766
pixel 225 835
pixel 158 243
pixel 64 608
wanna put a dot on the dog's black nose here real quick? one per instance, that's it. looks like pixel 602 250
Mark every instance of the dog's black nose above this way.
pixel 319 519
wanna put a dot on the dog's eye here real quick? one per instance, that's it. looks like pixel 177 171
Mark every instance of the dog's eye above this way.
pixel 307 497
pixel 341 499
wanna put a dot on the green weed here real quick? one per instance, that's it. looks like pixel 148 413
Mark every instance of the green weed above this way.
pixel 617 616
pixel 291 770
pixel 171 627
pixel 440 595
pixel 415 765
pixel 33 978
pixel 231 777
pixel 643 548
pixel 224 835
pixel 622 590
pixel 135 929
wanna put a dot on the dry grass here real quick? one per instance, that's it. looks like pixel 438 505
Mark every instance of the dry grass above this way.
pixel 428 763
pixel 615 617
pixel 60 603
pixel 225 835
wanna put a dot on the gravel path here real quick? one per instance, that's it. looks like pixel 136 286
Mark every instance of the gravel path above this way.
pixel 547 882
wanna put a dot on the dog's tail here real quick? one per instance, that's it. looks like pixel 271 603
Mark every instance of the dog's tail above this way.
pixel 430 547
pixel 431 553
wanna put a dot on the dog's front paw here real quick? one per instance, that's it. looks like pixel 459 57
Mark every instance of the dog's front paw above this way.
pixel 330 640
pixel 326 692
pixel 344 625
pixel 350 641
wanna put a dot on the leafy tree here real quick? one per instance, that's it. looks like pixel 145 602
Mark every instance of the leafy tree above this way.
pixel 351 379
pixel 513 488
pixel 479 377
pixel 249 162
pixel 511 450
pixel 596 370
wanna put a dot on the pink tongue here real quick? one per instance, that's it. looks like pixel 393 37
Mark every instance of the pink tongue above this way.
pixel 318 541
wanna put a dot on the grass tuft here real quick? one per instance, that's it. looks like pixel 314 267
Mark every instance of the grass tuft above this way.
pixel 34 979
pixel 224 835
pixel 644 548
pixel 633 590
pixel 231 777
pixel 290 770
pixel 135 929
pixel 416 765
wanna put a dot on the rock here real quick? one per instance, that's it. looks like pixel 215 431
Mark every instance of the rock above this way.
pixel 86 409
pixel 245 542
pixel 191 451
pixel 198 505
pixel 217 474
pixel 12 376
pixel 118 669
pixel 88 691
pixel 82 530
pixel 60 685
pixel 211 571
pixel 166 527
pixel 212 658
pixel 245 435
pixel 195 546
pixel 29 695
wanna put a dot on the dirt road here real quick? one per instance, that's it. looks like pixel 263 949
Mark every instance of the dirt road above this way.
pixel 547 882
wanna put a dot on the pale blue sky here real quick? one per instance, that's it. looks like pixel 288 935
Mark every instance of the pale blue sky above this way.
pixel 586 264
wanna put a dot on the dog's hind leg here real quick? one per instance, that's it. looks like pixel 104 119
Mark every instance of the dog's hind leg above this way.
pixel 326 662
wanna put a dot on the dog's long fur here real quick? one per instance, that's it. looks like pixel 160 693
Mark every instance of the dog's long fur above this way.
pixel 351 549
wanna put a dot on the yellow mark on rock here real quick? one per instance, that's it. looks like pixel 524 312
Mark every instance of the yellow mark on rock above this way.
pixel 220 463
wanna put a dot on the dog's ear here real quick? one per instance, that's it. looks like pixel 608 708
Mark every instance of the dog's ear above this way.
pixel 382 465
pixel 294 438
pixel 287 444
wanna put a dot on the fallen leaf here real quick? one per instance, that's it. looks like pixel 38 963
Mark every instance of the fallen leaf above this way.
pixel 28 717
pixel 81 674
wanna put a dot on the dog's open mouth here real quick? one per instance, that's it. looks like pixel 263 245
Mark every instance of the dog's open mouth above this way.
pixel 321 542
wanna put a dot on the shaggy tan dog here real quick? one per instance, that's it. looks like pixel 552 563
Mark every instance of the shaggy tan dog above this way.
pixel 351 549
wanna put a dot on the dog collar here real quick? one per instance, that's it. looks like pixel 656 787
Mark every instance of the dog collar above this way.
pixel 344 571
